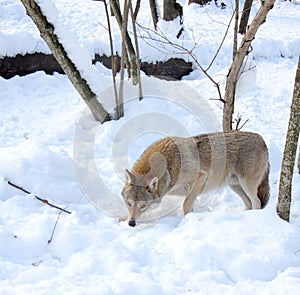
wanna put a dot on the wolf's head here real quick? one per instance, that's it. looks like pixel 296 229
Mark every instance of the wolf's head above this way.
pixel 139 192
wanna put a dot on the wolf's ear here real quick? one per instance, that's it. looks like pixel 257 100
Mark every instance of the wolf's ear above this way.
pixel 153 185
pixel 129 177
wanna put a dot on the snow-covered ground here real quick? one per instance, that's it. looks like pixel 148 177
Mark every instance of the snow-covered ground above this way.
pixel 50 146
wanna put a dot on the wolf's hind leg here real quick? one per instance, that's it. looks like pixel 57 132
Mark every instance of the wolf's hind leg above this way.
pixel 250 188
pixel 238 190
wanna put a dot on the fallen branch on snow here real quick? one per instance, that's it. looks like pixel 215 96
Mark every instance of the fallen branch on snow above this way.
pixel 54 228
pixel 38 198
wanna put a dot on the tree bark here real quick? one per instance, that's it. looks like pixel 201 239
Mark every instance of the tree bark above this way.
pixel 123 31
pixel 46 29
pixel 290 150
pixel 133 19
pixel 235 33
pixel 154 12
pixel 137 8
pixel 113 60
pixel 245 16
pixel 234 71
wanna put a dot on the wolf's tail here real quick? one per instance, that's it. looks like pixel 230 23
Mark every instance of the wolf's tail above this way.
pixel 263 190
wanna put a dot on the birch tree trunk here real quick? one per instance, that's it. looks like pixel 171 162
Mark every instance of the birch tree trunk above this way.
pixel 290 150
pixel 46 29
pixel 232 76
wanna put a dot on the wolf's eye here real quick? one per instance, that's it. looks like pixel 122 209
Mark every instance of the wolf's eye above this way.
pixel 147 188
pixel 129 204
pixel 142 206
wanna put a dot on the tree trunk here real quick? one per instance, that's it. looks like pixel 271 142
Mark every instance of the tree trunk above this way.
pixel 245 16
pixel 129 47
pixel 172 10
pixel 137 8
pixel 123 31
pixel 113 60
pixel 290 150
pixel 133 19
pixel 232 76
pixel 46 29
pixel 235 33
pixel 154 12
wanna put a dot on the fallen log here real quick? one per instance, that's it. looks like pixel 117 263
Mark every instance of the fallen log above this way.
pixel 21 65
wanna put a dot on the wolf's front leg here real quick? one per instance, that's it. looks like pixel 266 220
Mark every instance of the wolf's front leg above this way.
pixel 196 189
pixel 123 218
pixel 188 203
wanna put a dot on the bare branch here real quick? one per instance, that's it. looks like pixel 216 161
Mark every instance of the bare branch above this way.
pixel 238 120
pixel 222 42
pixel 182 50
pixel 52 234
pixel 38 198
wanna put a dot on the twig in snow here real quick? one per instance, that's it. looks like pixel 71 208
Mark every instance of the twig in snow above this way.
pixel 38 198
pixel 52 234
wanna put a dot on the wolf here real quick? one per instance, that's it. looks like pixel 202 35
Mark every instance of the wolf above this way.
pixel 197 165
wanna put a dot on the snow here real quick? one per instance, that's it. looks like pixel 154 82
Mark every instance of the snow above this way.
pixel 51 146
